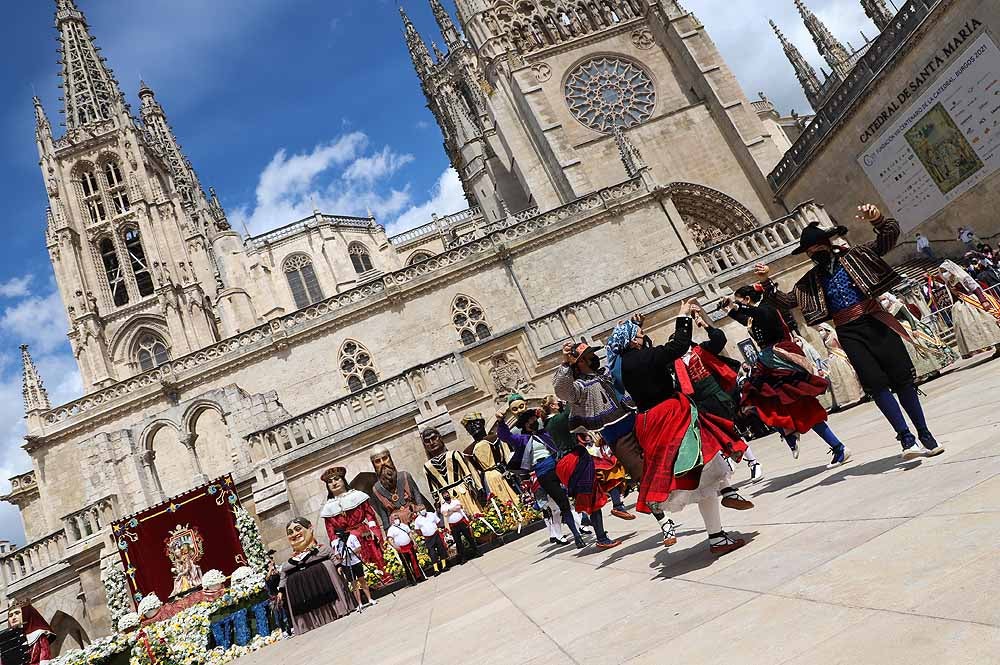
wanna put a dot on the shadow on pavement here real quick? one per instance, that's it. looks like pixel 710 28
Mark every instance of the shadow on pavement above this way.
pixel 875 467
pixel 771 485
pixel 674 564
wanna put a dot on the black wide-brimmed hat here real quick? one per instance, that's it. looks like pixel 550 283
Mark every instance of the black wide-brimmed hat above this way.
pixel 815 234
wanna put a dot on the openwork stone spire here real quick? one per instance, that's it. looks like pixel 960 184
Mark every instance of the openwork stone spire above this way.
pixel 631 157
pixel 452 38
pixel 90 91
pixel 419 54
pixel 155 121
pixel 878 11
pixel 834 52
pixel 35 396
pixel 804 72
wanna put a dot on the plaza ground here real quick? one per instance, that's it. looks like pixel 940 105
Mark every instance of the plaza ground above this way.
pixel 881 561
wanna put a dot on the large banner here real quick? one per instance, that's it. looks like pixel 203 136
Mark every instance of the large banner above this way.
pixel 948 141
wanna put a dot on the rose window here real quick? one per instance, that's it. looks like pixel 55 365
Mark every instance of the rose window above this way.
pixel 605 93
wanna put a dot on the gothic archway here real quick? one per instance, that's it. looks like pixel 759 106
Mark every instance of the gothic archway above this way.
pixel 70 634
pixel 710 216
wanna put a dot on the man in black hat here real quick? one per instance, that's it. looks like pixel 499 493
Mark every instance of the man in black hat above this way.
pixel 844 286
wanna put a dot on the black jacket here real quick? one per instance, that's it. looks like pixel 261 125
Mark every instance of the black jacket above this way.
pixel 648 374
pixel 863 264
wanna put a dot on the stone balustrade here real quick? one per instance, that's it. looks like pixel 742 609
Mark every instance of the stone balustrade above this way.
pixel 437 225
pixel 24 482
pixel 34 557
pixel 673 282
pixel 90 521
pixel 294 228
pixel 348 415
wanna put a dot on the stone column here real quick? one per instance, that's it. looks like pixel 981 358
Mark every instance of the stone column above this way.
pixel 149 463
pixel 189 440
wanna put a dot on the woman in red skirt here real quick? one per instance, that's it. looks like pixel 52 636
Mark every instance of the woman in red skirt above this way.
pixel 784 385
pixel 588 481
pixel 685 450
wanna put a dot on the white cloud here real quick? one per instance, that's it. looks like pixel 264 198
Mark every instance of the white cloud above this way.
pixel 448 198
pixel 39 321
pixel 339 177
pixel 16 287
pixel 377 166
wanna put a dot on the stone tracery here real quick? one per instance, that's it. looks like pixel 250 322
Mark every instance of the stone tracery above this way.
pixel 605 93
pixel 711 216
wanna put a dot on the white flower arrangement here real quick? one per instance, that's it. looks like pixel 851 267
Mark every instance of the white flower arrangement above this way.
pixel 128 622
pixel 213 579
pixel 149 605
pixel 241 575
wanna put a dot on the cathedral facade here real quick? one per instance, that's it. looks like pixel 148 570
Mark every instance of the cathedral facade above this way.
pixel 613 164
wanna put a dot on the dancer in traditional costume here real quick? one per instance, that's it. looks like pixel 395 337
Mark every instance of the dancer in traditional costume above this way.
pixel 598 403
pixel 577 471
pixel 975 313
pixel 844 383
pixel 713 377
pixel 685 450
pixel 535 451
pixel 844 285
pixel 784 384
pixel 310 582
pixel 351 509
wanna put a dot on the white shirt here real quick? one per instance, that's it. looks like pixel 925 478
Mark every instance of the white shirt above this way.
pixel 348 553
pixel 967 235
pixel 399 534
pixel 427 524
pixel 923 242
pixel 457 515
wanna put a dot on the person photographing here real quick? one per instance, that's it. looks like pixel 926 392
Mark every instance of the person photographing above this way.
pixel 347 547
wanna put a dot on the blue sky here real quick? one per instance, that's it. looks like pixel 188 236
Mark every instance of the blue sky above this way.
pixel 282 106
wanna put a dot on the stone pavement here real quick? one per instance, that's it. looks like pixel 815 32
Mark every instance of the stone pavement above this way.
pixel 880 561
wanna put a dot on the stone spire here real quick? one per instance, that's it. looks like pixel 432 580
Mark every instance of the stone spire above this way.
pixel 419 54
pixel 43 130
pixel 155 121
pixel 452 38
pixel 630 155
pixel 828 46
pixel 804 72
pixel 878 12
pixel 35 396
pixel 90 91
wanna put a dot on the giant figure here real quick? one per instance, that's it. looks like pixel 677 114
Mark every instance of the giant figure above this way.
pixel 448 471
pixel 394 491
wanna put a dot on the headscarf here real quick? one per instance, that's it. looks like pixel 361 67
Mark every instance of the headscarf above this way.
pixel 620 338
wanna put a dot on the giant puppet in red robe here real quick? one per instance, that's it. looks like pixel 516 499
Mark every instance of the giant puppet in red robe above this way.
pixel 37 631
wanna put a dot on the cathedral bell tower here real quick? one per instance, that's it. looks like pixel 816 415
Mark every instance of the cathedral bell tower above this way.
pixel 530 96
pixel 133 240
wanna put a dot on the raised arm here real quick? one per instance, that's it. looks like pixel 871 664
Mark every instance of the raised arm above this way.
pixel 516 441
pixel 665 354
pixel 564 383
pixel 886 229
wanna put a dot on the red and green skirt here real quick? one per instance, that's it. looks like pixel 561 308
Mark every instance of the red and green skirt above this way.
pixel 684 453
pixel 783 392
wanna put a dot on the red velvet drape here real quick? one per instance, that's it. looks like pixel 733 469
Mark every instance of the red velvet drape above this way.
pixel 142 538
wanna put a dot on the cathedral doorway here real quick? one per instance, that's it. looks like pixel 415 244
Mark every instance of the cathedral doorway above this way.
pixel 711 217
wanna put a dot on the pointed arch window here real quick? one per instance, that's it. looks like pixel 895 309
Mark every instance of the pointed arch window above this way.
pixel 302 280
pixel 357 366
pixel 137 259
pixel 417 257
pixel 470 320
pixel 113 272
pixel 92 199
pixel 360 258
pixel 116 187
pixel 151 351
